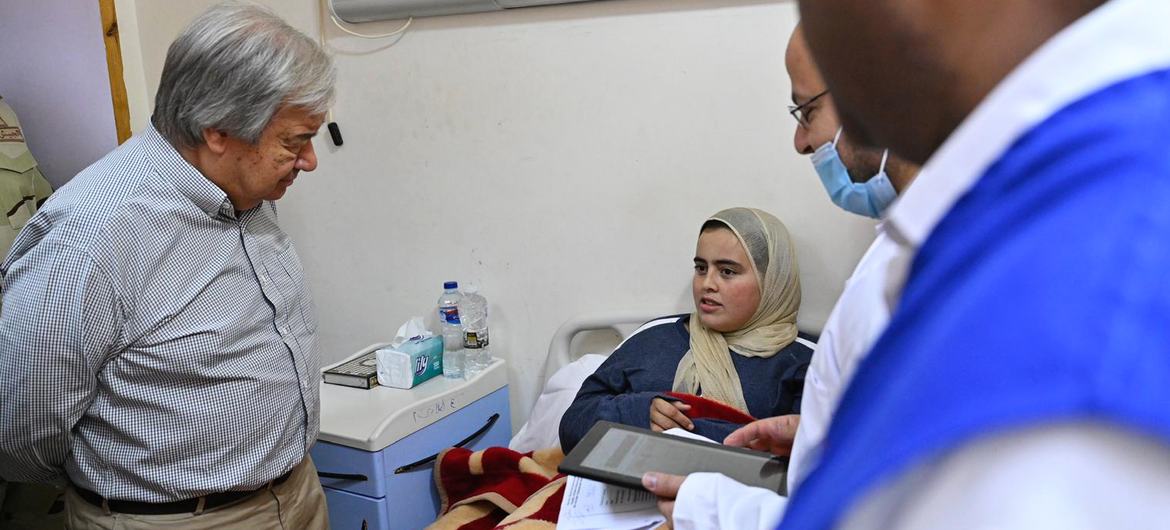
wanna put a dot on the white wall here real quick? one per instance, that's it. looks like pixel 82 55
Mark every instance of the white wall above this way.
pixel 139 92
pixel 53 73
pixel 563 157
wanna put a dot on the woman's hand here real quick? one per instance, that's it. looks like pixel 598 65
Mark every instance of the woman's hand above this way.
pixel 665 415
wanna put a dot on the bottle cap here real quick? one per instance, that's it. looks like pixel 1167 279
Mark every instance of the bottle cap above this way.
pixel 450 285
pixel 470 288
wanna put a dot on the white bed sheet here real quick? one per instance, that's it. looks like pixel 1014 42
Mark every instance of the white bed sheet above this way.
pixel 541 431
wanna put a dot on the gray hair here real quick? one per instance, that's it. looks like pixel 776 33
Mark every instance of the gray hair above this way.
pixel 232 69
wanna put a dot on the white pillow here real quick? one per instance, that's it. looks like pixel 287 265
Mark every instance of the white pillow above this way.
pixel 541 431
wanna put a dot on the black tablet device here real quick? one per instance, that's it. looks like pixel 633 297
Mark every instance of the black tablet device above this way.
pixel 619 454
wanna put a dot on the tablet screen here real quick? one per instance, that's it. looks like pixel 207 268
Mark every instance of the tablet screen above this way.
pixel 622 454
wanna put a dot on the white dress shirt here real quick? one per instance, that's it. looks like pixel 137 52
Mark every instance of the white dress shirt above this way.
pixel 860 316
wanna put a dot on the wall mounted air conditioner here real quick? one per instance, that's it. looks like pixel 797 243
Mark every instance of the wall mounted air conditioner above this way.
pixel 370 10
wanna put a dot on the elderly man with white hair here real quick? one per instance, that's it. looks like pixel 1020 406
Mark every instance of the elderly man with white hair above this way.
pixel 157 342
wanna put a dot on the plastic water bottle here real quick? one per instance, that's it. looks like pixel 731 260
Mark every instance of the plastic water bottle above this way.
pixel 473 311
pixel 453 364
pixel 453 357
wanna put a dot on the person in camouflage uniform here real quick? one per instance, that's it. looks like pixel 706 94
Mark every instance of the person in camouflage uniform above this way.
pixel 22 187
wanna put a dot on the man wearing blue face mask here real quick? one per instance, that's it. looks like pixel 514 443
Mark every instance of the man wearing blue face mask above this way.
pixel 861 180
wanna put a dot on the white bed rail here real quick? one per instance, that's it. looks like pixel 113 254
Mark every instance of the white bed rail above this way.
pixel 559 353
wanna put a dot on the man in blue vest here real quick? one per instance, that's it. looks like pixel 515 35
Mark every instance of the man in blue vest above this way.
pixel 1024 378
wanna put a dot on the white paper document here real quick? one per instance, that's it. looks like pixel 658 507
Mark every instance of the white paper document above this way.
pixel 592 505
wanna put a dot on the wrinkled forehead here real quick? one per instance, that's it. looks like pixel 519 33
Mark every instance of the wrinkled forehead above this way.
pixel 291 115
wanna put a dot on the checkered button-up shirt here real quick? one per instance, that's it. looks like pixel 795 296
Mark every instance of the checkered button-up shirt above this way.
pixel 155 345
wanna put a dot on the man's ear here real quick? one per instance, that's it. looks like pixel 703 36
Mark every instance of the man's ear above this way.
pixel 216 140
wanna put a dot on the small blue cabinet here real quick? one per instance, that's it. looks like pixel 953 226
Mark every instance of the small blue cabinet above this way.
pixel 376 447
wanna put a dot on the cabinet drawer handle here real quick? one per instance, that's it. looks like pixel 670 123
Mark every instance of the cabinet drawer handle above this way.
pixel 415 465
pixel 343 476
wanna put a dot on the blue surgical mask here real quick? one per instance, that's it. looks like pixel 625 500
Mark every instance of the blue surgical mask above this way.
pixel 869 198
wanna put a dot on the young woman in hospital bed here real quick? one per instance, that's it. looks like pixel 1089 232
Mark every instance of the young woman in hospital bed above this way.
pixel 738 350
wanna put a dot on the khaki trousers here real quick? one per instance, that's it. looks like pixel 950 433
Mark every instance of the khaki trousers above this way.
pixel 298 503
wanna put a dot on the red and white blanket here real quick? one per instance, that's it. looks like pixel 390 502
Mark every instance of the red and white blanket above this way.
pixel 498 488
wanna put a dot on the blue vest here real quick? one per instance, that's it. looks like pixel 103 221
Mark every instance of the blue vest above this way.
pixel 1043 296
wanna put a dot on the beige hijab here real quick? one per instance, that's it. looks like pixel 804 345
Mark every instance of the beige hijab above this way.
pixel 707 366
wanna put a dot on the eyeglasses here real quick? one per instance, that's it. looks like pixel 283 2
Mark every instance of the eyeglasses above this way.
pixel 800 112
